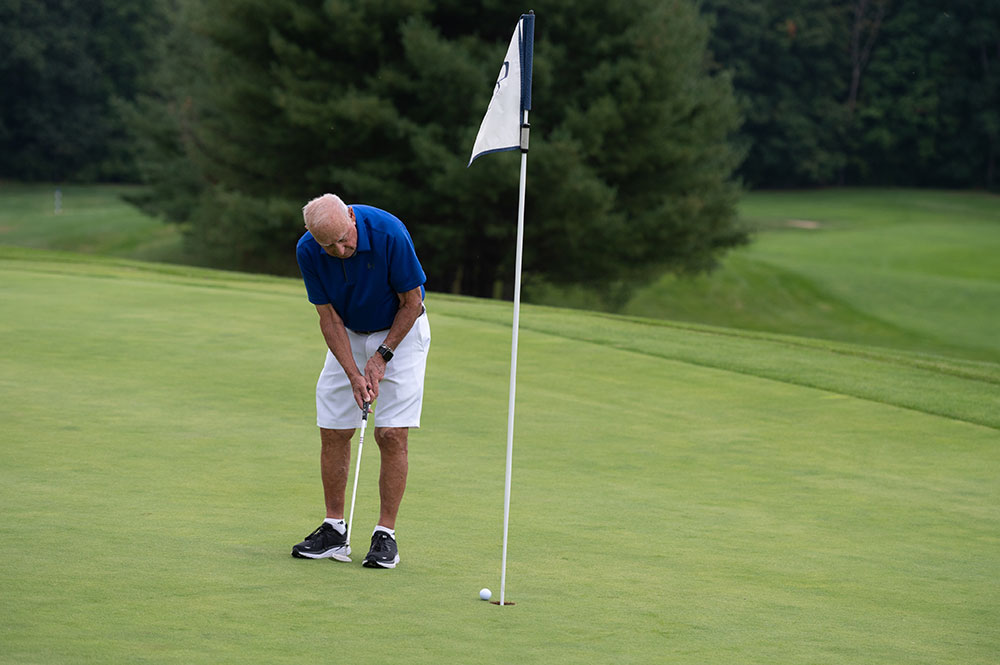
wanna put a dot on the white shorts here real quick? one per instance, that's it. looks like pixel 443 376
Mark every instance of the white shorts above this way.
pixel 400 392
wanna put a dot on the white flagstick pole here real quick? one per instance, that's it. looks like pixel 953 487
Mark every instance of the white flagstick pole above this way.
pixel 513 352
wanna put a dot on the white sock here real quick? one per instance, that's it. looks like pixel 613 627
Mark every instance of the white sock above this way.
pixel 391 532
pixel 338 525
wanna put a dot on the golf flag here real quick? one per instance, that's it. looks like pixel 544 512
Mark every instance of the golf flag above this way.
pixel 501 127
pixel 505 127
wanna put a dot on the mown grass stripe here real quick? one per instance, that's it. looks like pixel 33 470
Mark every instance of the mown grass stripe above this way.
pixel 932 386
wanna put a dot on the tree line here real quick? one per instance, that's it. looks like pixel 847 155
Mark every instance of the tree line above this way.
pixel 865 92
pixel 650 116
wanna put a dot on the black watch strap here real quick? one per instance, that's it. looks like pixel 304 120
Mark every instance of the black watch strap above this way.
pixel 385 352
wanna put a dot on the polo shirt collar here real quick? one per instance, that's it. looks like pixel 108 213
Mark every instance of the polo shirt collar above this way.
pixel 364 242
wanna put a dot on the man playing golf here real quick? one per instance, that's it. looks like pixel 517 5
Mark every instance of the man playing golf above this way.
pixel 362 274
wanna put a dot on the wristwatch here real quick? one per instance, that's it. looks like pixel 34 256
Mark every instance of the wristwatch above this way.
pixel 385 352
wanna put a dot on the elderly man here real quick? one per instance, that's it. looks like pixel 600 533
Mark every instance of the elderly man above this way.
pixel 362 274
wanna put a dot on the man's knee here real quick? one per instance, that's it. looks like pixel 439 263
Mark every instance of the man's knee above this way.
pixel 335 438
pixel 392 439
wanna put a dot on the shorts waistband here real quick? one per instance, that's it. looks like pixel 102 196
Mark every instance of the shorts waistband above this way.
pixel 423 310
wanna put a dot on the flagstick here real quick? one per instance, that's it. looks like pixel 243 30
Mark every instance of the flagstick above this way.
pixel 513 354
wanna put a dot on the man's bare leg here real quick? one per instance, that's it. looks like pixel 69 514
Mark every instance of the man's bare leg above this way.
pixel 392 444
pixel 335 461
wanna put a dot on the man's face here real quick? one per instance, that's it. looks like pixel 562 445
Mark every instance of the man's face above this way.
pixel 337 236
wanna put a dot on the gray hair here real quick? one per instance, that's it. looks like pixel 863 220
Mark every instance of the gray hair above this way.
pixel 322 209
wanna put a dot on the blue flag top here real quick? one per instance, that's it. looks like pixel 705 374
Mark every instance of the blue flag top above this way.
pixel 527 53
pixel 501 126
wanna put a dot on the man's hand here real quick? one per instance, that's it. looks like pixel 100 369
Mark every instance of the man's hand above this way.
pixel 374 371
pixel 362 390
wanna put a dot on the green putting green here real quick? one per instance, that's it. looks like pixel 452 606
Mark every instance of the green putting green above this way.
pixel 681 493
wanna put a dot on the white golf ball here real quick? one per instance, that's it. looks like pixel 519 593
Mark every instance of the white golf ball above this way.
pixel 485 594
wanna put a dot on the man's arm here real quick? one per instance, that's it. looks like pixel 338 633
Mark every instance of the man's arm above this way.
pixel 336 338
pixel 411 305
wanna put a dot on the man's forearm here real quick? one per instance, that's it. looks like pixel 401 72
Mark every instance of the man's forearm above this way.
pixel 410 309
pixel 339 344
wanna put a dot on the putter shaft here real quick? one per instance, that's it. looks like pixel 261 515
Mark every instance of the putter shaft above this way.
pixel 357 469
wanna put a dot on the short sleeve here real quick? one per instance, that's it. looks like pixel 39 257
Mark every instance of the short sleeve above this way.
pixel 314 288
pixel 405 271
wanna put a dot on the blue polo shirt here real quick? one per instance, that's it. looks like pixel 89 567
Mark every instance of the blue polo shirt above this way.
pixel 363 288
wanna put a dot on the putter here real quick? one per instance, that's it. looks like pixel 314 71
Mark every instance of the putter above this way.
pixel 354 492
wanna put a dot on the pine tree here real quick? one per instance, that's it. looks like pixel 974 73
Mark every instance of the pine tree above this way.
pixel 631 165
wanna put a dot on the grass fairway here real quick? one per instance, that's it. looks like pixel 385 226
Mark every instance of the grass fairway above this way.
pixel 907 269
pixel 93 219
pixel 682 494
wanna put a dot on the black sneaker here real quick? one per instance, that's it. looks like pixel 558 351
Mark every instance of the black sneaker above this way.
pixel 323 543
pixel 383 553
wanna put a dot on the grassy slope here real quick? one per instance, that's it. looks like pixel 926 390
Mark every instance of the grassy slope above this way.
pixel 682 494
pixel 908 269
